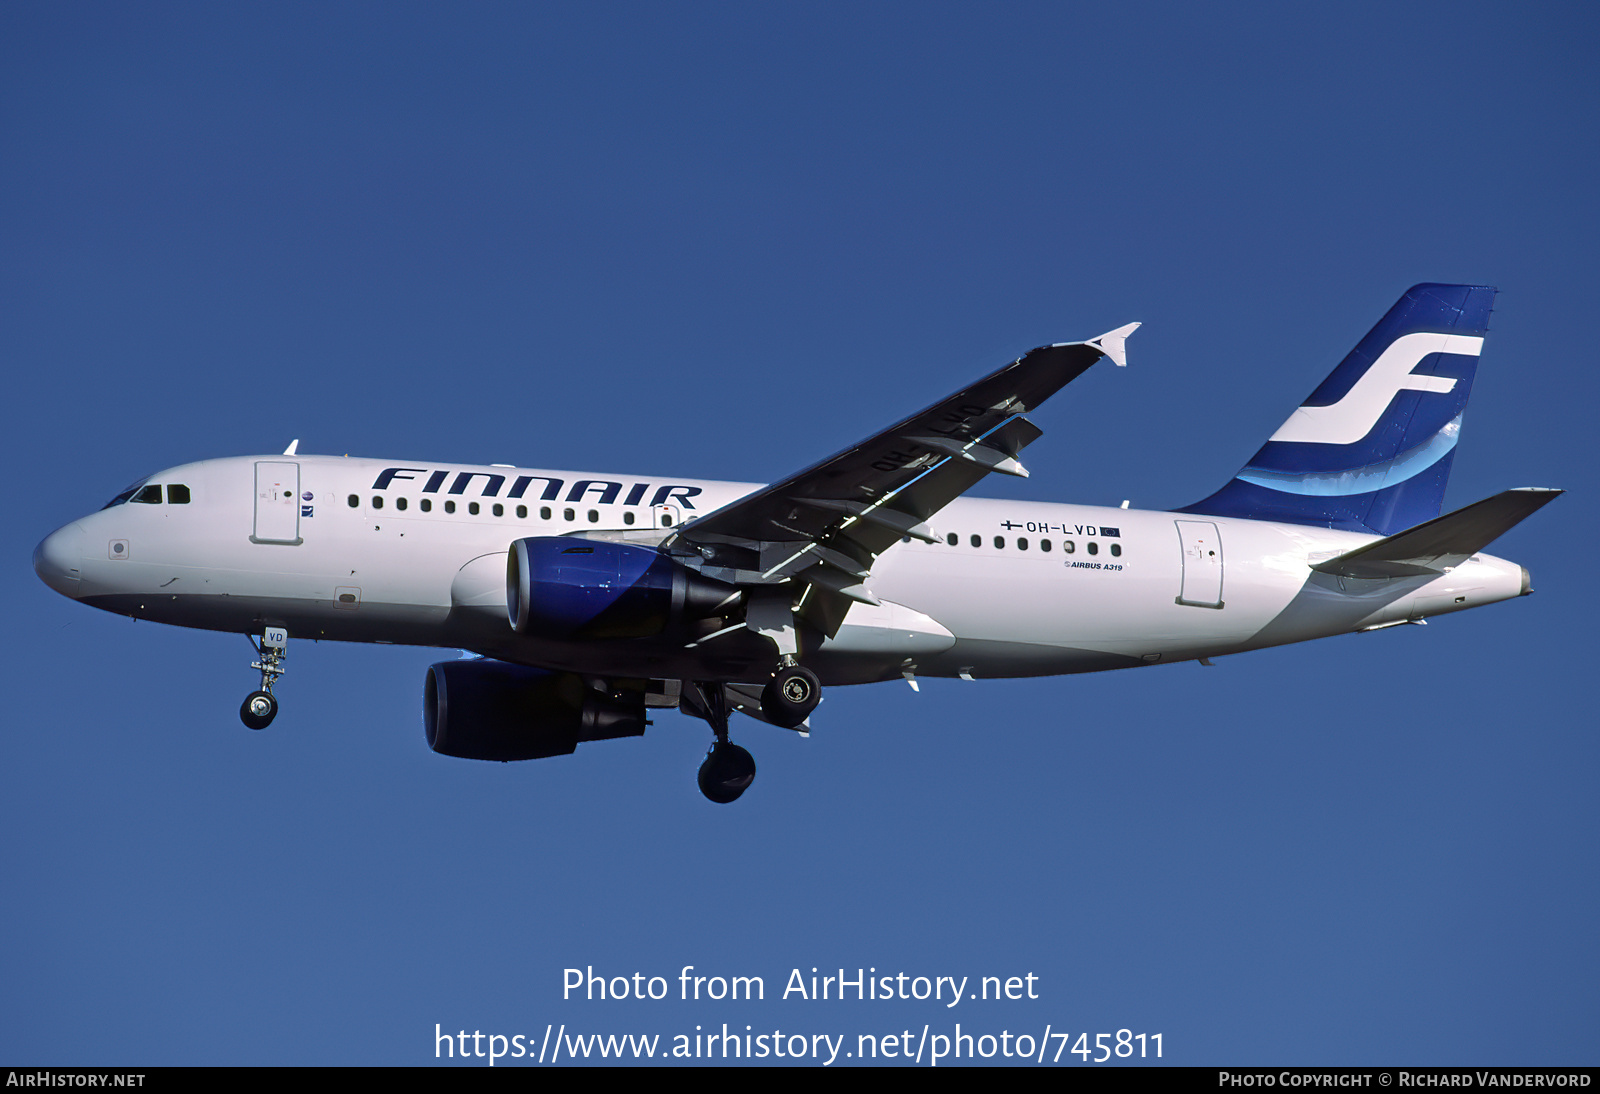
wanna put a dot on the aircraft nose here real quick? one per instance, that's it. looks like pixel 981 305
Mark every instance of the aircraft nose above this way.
pixel 58 560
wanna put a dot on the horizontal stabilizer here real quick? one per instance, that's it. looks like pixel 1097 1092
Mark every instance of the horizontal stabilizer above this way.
pixel 1438 545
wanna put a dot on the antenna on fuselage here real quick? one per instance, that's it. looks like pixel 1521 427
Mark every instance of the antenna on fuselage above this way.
pixel 294 444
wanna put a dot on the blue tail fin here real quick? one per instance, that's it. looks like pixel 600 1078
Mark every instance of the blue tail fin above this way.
pixel 1370 450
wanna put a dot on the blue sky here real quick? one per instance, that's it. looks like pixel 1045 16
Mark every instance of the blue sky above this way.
pixel 723 241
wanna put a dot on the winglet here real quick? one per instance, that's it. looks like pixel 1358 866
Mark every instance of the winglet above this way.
pixel 294 444
pixel 1113 343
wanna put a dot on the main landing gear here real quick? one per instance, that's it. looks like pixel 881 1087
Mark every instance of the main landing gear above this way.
pixel 791 695
pixel 728 770
pixel 794 691
pixel 260 707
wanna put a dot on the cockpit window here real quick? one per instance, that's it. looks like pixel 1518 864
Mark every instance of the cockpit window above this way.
pixel 125 495
pixel 177 494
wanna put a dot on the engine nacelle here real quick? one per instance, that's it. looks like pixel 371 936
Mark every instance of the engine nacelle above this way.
pixel 562 587
pixel 491 710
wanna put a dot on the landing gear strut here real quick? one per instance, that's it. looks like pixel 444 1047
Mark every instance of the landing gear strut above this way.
pixel 728 770
pixel 260 707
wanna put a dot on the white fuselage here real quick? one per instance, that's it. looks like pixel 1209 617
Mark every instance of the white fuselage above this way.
pixel 315 544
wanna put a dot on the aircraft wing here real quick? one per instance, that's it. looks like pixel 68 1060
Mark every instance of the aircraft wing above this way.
pixel 819 530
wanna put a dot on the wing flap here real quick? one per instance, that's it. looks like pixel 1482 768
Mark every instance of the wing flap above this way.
pixel 901 524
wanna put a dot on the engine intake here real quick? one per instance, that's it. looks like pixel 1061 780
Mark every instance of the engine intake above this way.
pixel 491 710
pixel 564 588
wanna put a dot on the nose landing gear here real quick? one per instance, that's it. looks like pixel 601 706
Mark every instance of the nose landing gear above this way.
pixel 260 707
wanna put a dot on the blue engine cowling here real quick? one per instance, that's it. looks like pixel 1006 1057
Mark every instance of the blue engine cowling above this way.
pixel 566 588
pixel 491 710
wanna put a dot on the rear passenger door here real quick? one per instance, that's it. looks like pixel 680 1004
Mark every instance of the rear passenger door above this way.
pixel 1202 564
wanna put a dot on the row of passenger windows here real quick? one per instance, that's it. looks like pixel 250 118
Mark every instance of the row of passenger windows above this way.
pixel 1068 546
pixel 475 508
pixel 547 513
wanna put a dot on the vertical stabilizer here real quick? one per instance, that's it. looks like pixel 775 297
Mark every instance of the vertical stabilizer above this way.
pixel 1370 450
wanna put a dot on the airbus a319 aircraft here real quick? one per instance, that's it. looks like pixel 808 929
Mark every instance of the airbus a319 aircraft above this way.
pixel 590 598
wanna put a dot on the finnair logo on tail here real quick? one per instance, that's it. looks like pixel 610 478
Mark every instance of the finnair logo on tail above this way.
pixel 1353 416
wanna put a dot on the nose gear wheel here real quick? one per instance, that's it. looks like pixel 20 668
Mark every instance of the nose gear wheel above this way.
pixel 258 710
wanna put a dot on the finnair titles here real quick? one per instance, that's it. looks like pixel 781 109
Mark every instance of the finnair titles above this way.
pixel 591 599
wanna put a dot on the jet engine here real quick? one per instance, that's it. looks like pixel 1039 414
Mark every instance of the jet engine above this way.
pixel 560 587
pixel 491 710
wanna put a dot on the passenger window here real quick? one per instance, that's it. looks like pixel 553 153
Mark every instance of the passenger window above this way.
pixel 400 503
pixel 627 516
pixel 499 510
pixel 1116 550
pixel 150 495
pixel 1022 544
pixel 1094 548
pixel 594 516
pixel 177 494
pixel 1000 541
pixel 1044 545
pixel 472 508
pixel 427 505
pixel 977 541
pixel 952 539
pixel 544 513
pixel 355 502
pixel 522 512
pixel 1069 546
pixel 666 520
pixel 569 514
pixel 377 502
pixel 449 507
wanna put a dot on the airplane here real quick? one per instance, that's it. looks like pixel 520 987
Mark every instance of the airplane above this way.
pixel 584 600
